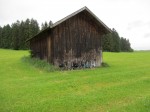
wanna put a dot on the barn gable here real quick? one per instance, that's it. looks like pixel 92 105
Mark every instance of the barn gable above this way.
pixel 89 13
pixel 74 41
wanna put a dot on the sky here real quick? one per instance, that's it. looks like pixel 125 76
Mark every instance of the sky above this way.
pixel 130 18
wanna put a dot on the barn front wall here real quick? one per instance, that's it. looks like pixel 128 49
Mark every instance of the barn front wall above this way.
pixel 77 42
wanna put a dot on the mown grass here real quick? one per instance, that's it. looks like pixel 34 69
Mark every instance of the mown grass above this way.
pixel 124 86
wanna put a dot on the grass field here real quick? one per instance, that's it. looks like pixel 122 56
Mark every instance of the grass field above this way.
pixel 122 87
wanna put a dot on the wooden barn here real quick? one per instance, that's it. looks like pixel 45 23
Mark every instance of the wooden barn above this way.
pixel 74 41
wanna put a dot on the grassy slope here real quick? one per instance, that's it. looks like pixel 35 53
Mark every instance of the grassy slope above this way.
pixel 124 86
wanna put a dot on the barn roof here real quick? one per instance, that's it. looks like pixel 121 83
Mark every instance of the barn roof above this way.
pixel 73 14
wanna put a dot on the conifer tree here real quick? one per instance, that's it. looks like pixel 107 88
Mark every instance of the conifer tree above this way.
pixel 44 25
pixel 15 35
pixel 113 43
pixel 1 36
pixel 116 41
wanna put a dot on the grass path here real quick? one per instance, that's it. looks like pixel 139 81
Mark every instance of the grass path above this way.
pixel 122 87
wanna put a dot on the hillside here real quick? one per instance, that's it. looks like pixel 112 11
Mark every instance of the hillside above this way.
pixel 122 87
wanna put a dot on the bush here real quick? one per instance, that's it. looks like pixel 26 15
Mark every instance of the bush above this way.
pixel 105 64
pixel 40 64
pixel 31 53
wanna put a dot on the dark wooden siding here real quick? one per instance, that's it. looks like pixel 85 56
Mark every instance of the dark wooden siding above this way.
pixel 77 40
pixel 39 46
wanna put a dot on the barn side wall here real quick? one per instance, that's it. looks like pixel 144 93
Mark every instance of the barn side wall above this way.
pixel 77 42
pixel 39 46
pixel 49 48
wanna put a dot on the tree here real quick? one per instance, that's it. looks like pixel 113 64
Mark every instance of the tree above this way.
pixel 107 42
pixel 125 45
pixel 44 25
pixel 113 43
pixel 116 41
pixel 34 28
pixel 6 36
pixel 22 35
pixel 21 31
pixel 50 23
pixel 1 36
pixel 27 33
pixel 15 35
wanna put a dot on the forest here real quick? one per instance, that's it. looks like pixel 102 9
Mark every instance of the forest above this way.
pixel 112 42
pixel 14 36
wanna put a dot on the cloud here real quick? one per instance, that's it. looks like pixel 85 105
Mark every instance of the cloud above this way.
pixel 148 23
pixel 147 35
pixel 139 24
pixel 135 24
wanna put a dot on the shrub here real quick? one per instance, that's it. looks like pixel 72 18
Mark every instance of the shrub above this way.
pixel 105 64
pixel 40 64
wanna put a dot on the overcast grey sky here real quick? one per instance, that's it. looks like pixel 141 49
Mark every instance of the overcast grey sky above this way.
pixel 131 18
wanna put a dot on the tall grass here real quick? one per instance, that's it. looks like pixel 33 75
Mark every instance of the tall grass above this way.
pixel 40 64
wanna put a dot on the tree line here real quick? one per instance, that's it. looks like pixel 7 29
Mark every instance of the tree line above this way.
pixel 112 42
pixel 14 36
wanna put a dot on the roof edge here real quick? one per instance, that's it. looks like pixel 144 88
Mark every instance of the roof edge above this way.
pixel 98 19
pixel 67 17
pixel 78 11
pixel 38 34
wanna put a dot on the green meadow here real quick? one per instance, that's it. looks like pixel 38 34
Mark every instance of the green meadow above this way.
pixel 124 86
